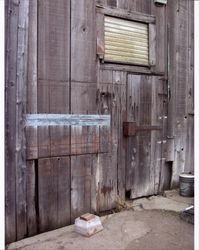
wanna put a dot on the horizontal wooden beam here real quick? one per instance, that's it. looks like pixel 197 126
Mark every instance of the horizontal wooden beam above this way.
pixel 130 15
pixel 66 119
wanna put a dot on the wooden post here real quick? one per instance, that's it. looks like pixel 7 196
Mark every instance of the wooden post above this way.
pixel 22 52
pixel 10 167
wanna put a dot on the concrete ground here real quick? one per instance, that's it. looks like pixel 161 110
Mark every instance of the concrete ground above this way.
pixel 149 223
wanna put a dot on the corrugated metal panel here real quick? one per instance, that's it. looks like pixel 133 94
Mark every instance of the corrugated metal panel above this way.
pixel 126 41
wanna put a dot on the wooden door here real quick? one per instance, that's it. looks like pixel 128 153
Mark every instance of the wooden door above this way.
pixel 144 149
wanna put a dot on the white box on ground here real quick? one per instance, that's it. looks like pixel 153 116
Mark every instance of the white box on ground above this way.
pixel 88 225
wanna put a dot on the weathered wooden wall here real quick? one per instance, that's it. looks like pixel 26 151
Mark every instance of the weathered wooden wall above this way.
pixel 55 173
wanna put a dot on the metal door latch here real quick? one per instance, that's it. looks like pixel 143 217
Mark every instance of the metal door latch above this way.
pixel 131 128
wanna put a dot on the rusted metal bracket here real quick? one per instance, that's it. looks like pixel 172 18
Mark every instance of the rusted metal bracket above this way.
pixel 131 128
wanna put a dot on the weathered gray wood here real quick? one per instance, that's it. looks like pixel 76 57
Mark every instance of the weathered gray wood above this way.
pixel 135 16
pixel 144 149
pixel 101 2
pixel 119 80
pixel 11 15
pixel 84 139
pixel 63 190
pixel 127 68
pixel 53 40
pixel 171 45
pixel 83 47
pixel 143 6
pixel 109 95
pixel 31 197
pixel 53 97
pixel 32 59
pixel 54 193
pixel 123 4
pixel 106 181
pixel 178 80
pixel 31 133
pixel 53 74
pixel 100 35
pixel 112 3
pixel 189 160
pixel 161 33
pixel 152 44
pixel 21 80
pixel 83 98
pixel 81 183
pixel 162 169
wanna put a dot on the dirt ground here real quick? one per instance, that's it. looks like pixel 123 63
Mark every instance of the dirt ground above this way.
pixel 147 229
pixel 151 223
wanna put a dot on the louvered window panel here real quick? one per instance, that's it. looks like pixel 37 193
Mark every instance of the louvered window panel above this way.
pixel 126 41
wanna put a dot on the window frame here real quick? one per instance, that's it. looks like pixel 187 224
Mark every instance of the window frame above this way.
pixel 150 20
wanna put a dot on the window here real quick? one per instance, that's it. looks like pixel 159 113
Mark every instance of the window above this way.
pixel 126 41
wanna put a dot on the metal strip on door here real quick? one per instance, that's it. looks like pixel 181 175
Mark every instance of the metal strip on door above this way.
pixel 126 41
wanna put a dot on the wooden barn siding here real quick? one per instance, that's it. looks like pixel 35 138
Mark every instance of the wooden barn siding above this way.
pixel 65 77
pixel 12 13
pixel 180 77
pixel 53 93
pixel 84 140
pixel 145 106
pixel 16 76
pixel 112 100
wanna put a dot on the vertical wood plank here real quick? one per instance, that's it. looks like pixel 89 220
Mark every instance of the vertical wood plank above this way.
pixel 122 4
pixel 120 79
pixel 12 13
pixel 31 132
pixel 54 193
pixel 152 45
pixel 109 173
pixel 22 53
pixel 47 195
pixel 54 74
pixel 106 181
pixel 178 80
pixel 63 190
pixel 81 183
pixel 83 47
pixel 54 40
pixel 161 32
pixel 142 151
pixel 189 160
pixel 143 6
pixel 31 198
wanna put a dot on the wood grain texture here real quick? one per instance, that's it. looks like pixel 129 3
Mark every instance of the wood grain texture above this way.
pixel 179 40
pixel 144 149
pixel 106 180
pixel 130 15
pixel 31 133
pixel 22 62
pixel 54 74
pixel 189 160
pixel 53 40
pixel 161 37
pixel 54 193
pixel 11 15
pixel 83 47
pixel 119 80
pixel 112 100
pixel 31 198
pixel 82 186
